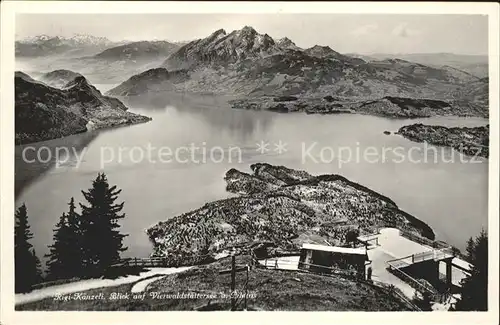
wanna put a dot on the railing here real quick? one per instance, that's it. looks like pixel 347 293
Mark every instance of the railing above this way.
pixel 444 253
pixel 399 262
pixel 423 240
pixel 435 295
pixel 435 255
pixel 412 282
pixel 367 241
pixel 393 290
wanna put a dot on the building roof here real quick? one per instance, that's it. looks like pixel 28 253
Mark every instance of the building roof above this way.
pixel 335 249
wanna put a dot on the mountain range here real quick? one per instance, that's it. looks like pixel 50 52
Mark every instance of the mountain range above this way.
pixel 99 59
pixel 476 65
pixel 250 64
pixel 44 45
pixel 247 63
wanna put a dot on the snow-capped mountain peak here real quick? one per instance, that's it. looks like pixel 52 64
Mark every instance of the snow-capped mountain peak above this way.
pixel 90 40
pixel 43 45
pixel 74 40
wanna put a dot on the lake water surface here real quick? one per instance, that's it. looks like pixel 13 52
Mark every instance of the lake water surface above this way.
pixel 450 197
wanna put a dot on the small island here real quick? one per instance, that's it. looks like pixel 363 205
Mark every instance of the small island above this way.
pixel 472 141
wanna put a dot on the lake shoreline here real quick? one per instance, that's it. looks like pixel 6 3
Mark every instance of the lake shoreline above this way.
pixel 220 126
pixel 388 106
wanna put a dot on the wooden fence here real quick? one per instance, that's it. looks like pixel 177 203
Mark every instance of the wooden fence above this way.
pixel 328 270
pixel 144 262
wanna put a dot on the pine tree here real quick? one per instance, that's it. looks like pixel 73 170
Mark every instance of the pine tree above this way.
pixel 75 243
pixel 102 243
pixel 39 274
pixel 65 260
pixel 469 249
pixel 474 291
pixel 27 265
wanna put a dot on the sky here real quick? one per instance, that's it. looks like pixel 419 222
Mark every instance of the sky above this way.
pixel 345 33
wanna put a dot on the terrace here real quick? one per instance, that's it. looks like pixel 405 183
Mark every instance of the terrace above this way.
pixel 404 259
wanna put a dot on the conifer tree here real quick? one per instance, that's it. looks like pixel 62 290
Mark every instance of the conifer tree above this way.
pixel 474 291
pixel 27 265
pixel 64 259
pixel 39 273
pixel 102 242
pixel 469 249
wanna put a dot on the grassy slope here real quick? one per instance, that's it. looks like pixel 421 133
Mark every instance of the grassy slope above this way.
pixel 273 290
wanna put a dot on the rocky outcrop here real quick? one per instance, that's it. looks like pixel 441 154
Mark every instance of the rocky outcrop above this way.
pixel 43 112
pixel 287 44
pixel 221 48
pixel 283 206
pixel 472 141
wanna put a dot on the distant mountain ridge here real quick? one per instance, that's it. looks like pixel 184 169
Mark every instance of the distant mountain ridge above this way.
pixel 245 62
pixel 432 58
pixel 476 65
pixel 143 50
pixel 76 39
pixel 248 63
pixel 44 45
pixel 99 59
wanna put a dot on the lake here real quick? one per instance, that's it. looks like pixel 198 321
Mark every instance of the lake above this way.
pixel 451 197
